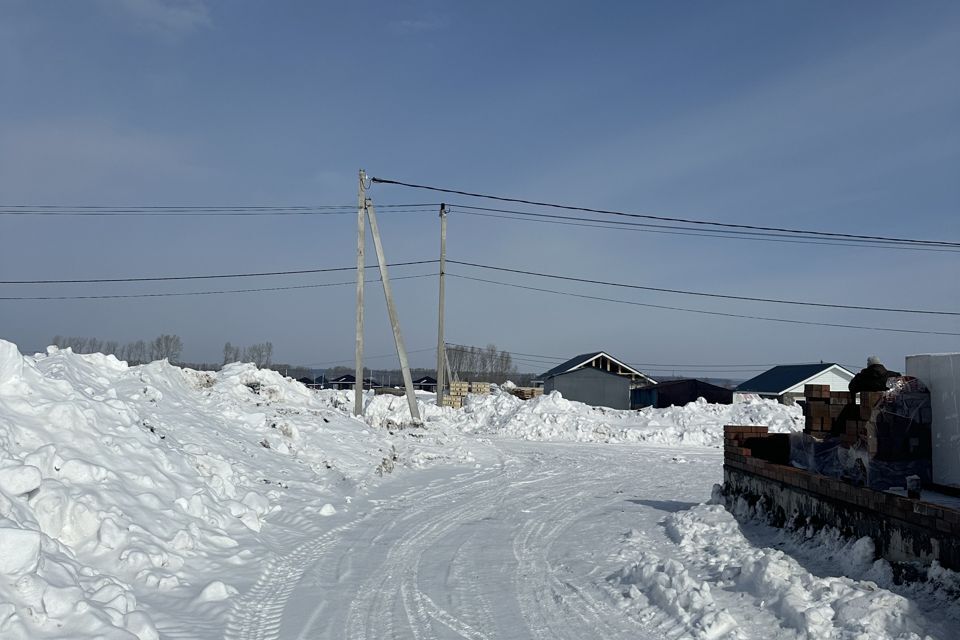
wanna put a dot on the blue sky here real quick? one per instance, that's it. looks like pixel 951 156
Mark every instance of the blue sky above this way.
pixel 835 116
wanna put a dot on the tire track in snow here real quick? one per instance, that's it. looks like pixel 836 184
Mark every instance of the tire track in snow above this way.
pixel 258 613
pixel 403 560
pixel 555 608
pixel 382 576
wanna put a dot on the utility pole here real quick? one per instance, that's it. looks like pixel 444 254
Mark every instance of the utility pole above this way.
pixel 361 236
pixel 441 349
pixel 446 363
pixel 392 311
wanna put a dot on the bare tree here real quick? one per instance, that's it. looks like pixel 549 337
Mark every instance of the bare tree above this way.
pixel 260 354
pixel 136 352
pixel 231 353
pixel 110 347
pixel 166 346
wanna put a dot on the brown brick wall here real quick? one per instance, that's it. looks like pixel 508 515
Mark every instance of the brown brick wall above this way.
pixel 933 529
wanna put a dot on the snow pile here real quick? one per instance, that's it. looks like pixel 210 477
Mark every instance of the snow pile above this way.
pixel 551 417
pixel 668 585
pixel 711 543
pixel 122 487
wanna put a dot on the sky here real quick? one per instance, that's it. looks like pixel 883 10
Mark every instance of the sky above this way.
pixel 831 116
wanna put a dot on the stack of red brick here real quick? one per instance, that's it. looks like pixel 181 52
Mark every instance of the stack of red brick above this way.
pixel 836 413
pixel 831 414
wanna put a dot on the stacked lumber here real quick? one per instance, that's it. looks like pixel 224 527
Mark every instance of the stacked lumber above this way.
pixel 527 393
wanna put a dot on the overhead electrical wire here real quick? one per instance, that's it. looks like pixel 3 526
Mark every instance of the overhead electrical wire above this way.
pixel 544 218
pixel 203 211
pixel 208 293
pixel 705 312
pixel 211 277
pixel 706 294
pixel 690 221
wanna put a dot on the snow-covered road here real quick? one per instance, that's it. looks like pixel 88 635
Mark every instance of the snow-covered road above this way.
pixel 517 548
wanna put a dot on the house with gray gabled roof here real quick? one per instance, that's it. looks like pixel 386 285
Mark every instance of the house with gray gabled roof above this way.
pixel 595 378
pixel 785 382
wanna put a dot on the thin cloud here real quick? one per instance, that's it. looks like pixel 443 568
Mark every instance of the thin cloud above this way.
pixel 167 17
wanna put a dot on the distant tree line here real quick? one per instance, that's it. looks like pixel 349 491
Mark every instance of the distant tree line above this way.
pixel 259 354
pixel 171 346
pixel 481 363
pixel 486 364
pixel 138 352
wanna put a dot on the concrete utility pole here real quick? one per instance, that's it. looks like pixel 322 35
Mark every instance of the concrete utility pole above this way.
pixel 392 311
pixel 361 236
pixel 441 351
pixel 446 363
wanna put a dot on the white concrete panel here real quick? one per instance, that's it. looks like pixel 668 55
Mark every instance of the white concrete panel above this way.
pixel 940 372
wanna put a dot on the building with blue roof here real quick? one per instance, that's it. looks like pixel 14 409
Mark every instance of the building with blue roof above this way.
pixel 785 382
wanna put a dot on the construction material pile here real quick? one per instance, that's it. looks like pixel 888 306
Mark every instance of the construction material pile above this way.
pixel 877 442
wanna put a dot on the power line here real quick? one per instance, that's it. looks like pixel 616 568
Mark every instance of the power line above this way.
pixel 544 218
pixel 206 293
pixel 707 294
pixel 202 211
pixel 210 277
pixel 664 218
pixel 197 207
pixel 704 312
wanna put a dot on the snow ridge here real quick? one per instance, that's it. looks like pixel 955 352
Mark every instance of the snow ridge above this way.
pixel 123 487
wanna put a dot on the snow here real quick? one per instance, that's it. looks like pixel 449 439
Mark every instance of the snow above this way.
pixel 154 501
pixel 552 418
pixel 121 487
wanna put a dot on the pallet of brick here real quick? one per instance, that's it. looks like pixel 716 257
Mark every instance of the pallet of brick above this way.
pixel 817 409
pixel 817 416
pixel 842 398
pixel 455 402
pixel 459 388
pixel 851 433
pixel 869 401
pixel 816 391
pixel 481 388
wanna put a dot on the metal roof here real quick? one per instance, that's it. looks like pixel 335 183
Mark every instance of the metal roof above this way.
pixel 785 376
pixel 583 359
pixel 572 363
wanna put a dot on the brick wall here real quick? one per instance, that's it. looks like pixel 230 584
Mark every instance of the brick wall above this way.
pixel 902 529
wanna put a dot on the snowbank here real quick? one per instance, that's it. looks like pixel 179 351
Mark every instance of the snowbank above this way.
pixel 123 487
pixel 713 545
pixel 554 418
